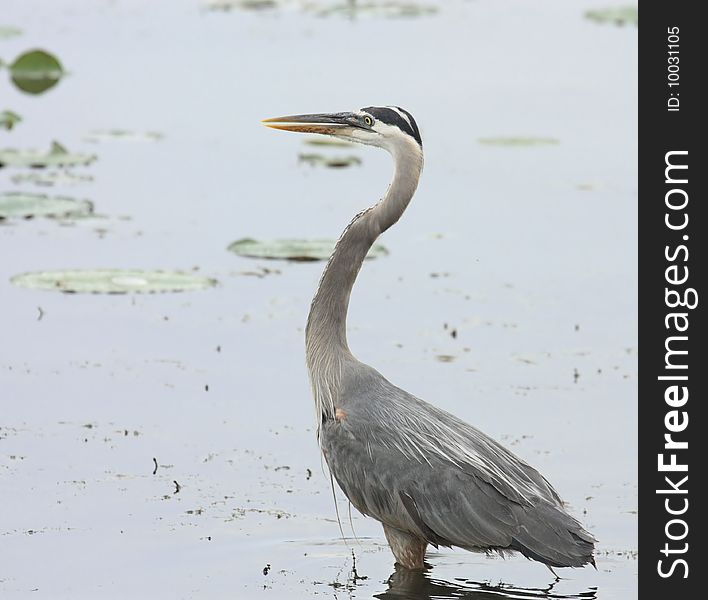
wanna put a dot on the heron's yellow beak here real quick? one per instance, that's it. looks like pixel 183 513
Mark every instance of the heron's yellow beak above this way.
pixel 327 124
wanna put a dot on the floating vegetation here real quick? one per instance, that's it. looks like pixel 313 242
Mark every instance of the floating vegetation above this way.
pixel 351 9
pixel 227 5
pixel 58 156
pixel 7 32
pixel 323 160
pixel 390 9
pixel 334 162
pixel 36 71
pixel 20 205
pixel 9 119
pixel 113 281
pixel 328 141
pixel 446 358
pixel 122 135
pixel 48 178
pixel 293 249
pixel 619 15
pixel 518 141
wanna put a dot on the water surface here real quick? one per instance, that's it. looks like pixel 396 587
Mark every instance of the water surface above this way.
pixel 527 252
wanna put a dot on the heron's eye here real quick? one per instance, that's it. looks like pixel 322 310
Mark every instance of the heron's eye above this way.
pixel 368 120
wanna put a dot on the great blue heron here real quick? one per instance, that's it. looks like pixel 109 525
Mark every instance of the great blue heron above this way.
pixel 429 477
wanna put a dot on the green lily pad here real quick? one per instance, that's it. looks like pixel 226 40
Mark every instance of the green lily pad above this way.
pixel 293 249
pixel 391 9
pixel 21 205
pixel 334 162
pixel 518 141
pixel 121 135
pixel 619 15
pixel 9 119
pixel 58 156
pixel 7 32
pixel 113 281
pixel 47 178
pixel 36 71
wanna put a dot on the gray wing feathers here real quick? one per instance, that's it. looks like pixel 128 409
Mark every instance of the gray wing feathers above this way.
pixel 388 461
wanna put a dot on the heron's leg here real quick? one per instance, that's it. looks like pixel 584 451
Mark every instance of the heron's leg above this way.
pixel 408 549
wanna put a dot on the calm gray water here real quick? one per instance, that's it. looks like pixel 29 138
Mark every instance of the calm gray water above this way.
pixel 528 252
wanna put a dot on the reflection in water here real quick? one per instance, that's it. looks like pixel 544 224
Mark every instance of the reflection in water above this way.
pixel 416 585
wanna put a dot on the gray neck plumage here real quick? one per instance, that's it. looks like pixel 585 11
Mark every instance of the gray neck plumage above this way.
pixel 326 332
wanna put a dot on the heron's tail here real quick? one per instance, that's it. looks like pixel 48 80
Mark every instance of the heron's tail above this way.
pixel 550 535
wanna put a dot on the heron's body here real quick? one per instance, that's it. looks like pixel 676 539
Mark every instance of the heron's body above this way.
pixel 427 476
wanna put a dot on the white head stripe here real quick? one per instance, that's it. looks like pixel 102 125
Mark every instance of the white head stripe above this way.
pixel 403 115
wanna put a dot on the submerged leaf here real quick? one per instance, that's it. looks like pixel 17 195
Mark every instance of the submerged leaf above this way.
pixel 619 15
pixel 328 141
pixel 390 9
pixel 36 71
pixel 329 161
pixel 113 281
pixel 26 206
pixel 518 141
pixel 293 249
pixel 9 119
pixel 58 156
pixel 47 178
pixel 122 135
pixel 8 31
pixel 241 4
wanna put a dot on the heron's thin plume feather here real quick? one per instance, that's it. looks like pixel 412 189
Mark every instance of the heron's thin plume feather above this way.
pixel 336 509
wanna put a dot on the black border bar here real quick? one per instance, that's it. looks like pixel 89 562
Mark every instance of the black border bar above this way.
pixel 672 361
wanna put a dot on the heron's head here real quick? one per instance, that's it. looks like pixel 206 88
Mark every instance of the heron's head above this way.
pixel 388 127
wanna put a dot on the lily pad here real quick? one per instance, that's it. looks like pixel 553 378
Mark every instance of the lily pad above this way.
pixel 113 281
pixel 47 178
pixel 122 135
pixel 58 156
pixel 334 162
pixel 619 15
pixel 518 141
pixel 391 9
pixel 293 249
pixel 21 205
pixel 9 119
pixel 7 32
pixel 36 71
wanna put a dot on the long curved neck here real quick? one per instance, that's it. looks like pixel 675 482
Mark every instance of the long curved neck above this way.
pixel 326 332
